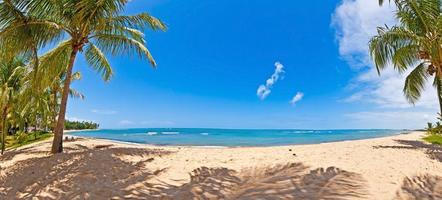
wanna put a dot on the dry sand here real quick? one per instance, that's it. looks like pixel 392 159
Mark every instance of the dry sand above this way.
pixel 397 167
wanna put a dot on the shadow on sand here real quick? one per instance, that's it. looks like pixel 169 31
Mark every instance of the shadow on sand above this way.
pixel 291 181
pixel 433 151
pixel 102 173
pixel 82 173
pixel 426 187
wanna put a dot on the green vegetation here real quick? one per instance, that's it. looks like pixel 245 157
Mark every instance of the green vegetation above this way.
pixel 434 129
pixel 21 139
pixel 434 139
pixel 35 85
pixel 75 125
pixel 434 132
pixel 415 43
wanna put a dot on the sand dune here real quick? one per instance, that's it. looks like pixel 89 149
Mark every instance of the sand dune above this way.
pixel 398 167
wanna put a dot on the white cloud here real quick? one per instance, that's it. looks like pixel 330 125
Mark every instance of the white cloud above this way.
pixel 391 119
pixel 78 119
pixel 296 98
pixel 356 22
pixel 104 112
pixel 265 89
pixel 126 122
pixel 386 91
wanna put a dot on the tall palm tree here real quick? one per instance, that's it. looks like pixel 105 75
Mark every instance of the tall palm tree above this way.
pixel 414 43
pixel 91 27
pixel 11 76
pixel 55 91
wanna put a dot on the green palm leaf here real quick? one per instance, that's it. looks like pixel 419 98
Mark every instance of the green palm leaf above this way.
pixel 122 45
pixel 415 83
pixel 97 60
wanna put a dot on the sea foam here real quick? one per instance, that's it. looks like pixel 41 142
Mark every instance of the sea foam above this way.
pixel 170 133
pixel 152 133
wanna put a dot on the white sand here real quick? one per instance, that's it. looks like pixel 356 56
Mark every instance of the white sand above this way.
pixel 397 167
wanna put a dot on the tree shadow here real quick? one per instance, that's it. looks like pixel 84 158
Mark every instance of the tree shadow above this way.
pixel 10 154
pixel 291 181
pixel 83 173
pixel 425 187
pixel 107 173
pixel 432 150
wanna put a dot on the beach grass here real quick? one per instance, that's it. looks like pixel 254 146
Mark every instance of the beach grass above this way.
pixel 12 142
pixel 434 139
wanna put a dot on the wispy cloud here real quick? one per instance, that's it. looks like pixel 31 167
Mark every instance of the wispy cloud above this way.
pixel 78 119
pixel 265 89
pixel 298 97
pixel 126 122
pixel 355 22
pixel 391 119
pixel 104 112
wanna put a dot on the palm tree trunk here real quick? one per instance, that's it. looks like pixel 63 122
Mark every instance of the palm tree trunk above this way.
pixel 26 126
pixel 36 124
pixel 4 129
pixel 36 63
pixel 57 144
pixel 439 94
pixel 54 117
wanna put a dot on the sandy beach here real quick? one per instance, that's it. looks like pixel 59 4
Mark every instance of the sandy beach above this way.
pixel 396 167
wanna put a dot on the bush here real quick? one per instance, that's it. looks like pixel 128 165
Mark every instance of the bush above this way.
pixel 21 137
pixel 434 139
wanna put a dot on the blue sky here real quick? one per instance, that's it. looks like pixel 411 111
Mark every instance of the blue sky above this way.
pixel 216 54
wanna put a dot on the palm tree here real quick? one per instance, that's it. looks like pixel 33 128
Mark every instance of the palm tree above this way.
pixel 21 36
pixel 11 76
pixel 55 91
pixel 91 27
pixel 414 43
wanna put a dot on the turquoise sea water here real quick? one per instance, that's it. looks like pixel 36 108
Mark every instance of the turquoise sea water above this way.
pixel 232 137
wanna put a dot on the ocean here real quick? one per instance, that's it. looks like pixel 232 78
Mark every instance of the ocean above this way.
pixel 232 137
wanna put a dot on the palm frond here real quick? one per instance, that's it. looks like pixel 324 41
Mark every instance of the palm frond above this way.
pixel 123 31
pixel 415 83
pixel 97 60
pixel 383 47
pixel 75 94
pixel 54 63
pixel 405 57
pixel 140 21
pixel 418 16
pixel 120 44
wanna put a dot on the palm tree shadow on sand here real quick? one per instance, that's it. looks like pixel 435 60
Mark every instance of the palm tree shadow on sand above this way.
pixel 425 187
pixel 82 173
pixel 433 151
pixel 291 181
pixel 101 173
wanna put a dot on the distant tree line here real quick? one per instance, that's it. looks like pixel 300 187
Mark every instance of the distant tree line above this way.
pixel 76 125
